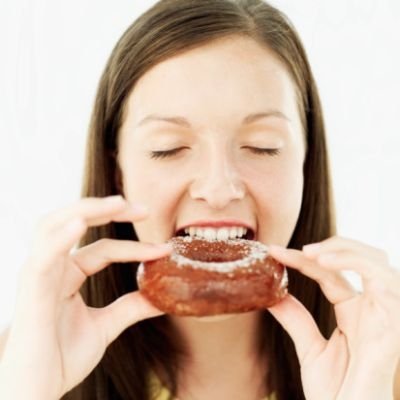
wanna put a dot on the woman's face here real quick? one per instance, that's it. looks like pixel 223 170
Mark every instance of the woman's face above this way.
pixel 210 109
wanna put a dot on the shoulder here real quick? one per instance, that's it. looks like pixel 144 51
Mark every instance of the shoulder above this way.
pixel 3 340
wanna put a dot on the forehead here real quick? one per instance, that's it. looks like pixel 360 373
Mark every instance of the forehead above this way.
pixel 214 83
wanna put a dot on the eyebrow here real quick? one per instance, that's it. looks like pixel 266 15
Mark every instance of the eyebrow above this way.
pixel 177 120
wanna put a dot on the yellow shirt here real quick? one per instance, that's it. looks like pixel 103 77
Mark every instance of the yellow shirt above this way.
pixel 159 392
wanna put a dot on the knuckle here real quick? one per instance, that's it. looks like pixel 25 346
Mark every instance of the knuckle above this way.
pixel 82 221
pixel 383 255
pixel 331 240
pixel 103 243
pixel 85 201
pixel 103 246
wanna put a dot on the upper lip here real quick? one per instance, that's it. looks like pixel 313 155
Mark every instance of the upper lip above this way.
pixel 217 224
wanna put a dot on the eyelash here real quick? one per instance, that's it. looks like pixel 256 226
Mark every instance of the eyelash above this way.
pixel 170 153
pixel 270 152
pixel 165 154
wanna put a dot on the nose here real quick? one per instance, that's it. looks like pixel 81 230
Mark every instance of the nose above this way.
pixel 217 181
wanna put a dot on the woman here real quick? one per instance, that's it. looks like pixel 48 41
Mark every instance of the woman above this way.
pixel 207 112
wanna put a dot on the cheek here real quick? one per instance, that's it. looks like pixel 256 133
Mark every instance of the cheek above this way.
pixel 287 188
pixel 278 182
pixel 144 183
pixel 155 188
pixel 278 196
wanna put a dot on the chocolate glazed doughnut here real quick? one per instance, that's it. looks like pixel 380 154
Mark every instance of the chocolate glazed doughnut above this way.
pixel 209 277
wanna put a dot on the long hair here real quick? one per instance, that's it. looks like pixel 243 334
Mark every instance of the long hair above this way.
pixel 168 28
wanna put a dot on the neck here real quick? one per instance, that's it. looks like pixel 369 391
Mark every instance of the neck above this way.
pixel 222 355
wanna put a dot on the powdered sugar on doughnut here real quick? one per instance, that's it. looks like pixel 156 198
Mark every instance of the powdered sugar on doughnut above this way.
pixel 252 252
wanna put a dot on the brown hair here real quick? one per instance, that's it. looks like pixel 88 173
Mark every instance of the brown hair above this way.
pixel 170 27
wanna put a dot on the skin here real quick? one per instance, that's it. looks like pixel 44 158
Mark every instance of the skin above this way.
pixel 50 313
pixel 360 359
pixel 215 87
pixel 216 176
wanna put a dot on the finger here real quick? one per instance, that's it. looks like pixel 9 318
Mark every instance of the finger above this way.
pixel 96 211
pixel 39 280
pixel 372 274
pixel 90 259
pixel 301 327
pixel 53 240
pixel 336 243
pixel 122 313
pixel 333 284
pixel 48 248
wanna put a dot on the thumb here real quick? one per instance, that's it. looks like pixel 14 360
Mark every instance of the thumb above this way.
pixel 122 313
pixel 300 325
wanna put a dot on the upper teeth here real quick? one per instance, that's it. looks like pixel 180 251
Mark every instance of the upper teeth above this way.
pixel 213 233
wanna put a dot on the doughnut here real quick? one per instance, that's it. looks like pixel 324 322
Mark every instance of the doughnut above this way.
pixel 203 277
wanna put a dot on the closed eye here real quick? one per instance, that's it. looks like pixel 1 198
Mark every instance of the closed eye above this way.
pixel 260 151
pixel 170 153
pixel 165 153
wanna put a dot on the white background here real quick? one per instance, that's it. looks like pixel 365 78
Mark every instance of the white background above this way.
pixel 52 55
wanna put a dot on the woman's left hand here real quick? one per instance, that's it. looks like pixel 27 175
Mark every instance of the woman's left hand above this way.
pixel 360 358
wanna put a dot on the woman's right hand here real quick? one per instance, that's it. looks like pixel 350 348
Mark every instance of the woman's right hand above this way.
pixel 55 339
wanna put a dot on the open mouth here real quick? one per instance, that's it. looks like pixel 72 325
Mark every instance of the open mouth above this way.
pixel 218 234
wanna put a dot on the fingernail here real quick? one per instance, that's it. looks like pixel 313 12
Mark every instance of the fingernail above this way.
pixel 312 248
pixel 114 199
